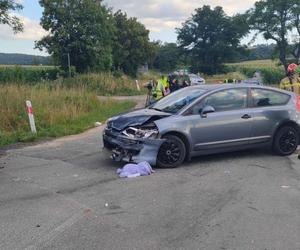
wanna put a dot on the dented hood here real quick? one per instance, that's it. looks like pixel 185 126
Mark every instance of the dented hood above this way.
pixel 135 118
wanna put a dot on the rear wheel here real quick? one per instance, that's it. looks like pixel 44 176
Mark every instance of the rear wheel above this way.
pixel 171 153
pixel 286 141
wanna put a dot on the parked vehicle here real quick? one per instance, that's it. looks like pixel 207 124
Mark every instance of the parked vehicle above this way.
pixel 206 119
pixel 196 80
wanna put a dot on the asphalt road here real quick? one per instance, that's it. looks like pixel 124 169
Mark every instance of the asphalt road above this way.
pixel 65 194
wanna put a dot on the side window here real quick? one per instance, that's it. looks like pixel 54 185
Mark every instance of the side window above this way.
pixel 225 100
pixel 265 98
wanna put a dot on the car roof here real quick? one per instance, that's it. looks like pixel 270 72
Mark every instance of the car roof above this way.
pixel 213 87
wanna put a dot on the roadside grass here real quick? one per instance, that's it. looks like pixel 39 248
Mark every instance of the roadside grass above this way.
pixel 58 111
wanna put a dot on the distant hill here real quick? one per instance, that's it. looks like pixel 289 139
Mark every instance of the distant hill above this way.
pixel 23 59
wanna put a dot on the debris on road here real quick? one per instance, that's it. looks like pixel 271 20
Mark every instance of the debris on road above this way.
pixel 286 187
pixel 98 124
pixel 135 170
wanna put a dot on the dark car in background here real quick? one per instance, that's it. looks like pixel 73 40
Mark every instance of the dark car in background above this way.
pixel 206 119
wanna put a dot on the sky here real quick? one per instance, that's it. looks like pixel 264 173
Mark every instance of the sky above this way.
pixel 161 17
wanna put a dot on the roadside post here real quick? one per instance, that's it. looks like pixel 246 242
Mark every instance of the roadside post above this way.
pixel 137 85
pixel 31 117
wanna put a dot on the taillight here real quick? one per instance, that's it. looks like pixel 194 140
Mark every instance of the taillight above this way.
pixel 298 103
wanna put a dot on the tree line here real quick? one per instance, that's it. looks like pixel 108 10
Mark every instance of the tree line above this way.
pixel 91 37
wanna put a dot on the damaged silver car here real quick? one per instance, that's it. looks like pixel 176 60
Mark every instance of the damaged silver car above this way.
pixel 206 119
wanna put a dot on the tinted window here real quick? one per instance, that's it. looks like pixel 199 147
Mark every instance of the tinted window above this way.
pixel 264 98
pixel 223 101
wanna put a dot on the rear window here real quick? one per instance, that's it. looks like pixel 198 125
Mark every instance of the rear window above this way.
pixel 265 98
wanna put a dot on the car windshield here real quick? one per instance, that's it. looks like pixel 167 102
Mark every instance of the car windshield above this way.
pixel 178 100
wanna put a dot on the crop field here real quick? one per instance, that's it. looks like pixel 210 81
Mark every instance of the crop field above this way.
pixel 27 66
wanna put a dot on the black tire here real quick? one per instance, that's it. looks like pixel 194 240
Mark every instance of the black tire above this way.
pixel 171 153
pixel 286 141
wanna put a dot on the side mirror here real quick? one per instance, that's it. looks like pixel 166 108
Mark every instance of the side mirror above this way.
pixel 206 110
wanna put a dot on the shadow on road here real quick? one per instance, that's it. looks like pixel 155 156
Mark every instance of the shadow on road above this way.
pixel 231 156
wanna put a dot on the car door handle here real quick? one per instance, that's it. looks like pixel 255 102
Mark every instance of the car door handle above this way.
pixel 246 116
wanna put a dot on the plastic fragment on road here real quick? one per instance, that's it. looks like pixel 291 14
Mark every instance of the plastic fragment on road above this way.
pixel 285 186
pixel 98 124
pixel 135 170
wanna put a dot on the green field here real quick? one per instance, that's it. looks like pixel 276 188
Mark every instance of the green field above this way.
pixel 257 64
pixel 271 72
pixel 27 66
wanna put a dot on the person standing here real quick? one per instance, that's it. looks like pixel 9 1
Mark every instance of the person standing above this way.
pixel 164 82
pixel 158 90
pixel 174 86
pixel 292 81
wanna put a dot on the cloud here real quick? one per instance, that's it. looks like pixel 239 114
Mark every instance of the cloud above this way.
pixel 161 15
pixel 32 31
pixel 157 15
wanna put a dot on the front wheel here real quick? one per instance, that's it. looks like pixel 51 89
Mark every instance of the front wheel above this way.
pixel 286 141
pixel 171 153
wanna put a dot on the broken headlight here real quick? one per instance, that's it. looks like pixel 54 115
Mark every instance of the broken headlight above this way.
pixel 144 132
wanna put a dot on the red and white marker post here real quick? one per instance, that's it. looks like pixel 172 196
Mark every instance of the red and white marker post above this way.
pixel 137 85
pixel 31 117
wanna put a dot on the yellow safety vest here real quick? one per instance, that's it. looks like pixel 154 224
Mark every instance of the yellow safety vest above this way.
pixel 291 85
pixel 227 81
pixel 157 92
pixel 165 83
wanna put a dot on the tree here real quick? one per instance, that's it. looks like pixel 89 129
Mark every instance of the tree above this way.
pixel 82 29
pixel 295 46
pixel 132 47
pixel 6 18
pixel 294 50
pixel 210 38
pixel 274 19
pixel 168 57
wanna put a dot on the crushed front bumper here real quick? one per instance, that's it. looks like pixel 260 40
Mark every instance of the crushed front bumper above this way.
pixel 131 150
